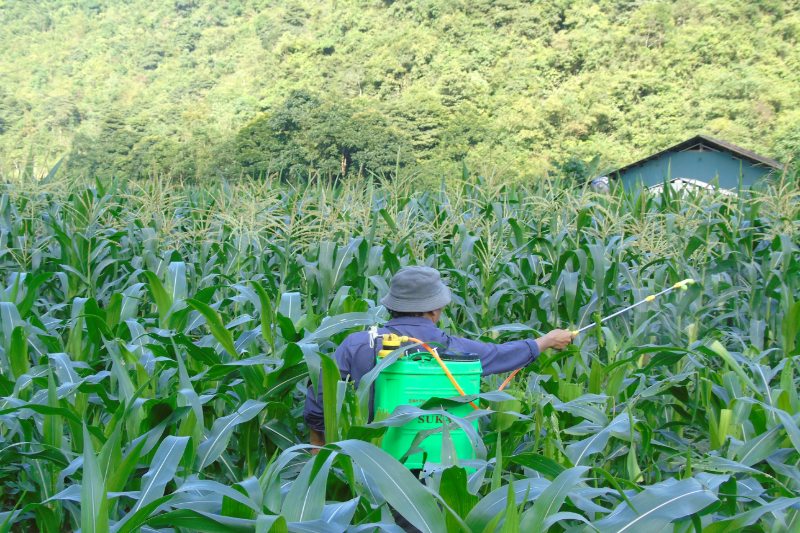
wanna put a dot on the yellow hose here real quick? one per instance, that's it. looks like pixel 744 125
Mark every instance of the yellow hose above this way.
pixel 444 367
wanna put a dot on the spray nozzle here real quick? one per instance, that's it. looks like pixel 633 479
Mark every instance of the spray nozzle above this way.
pixel 684 285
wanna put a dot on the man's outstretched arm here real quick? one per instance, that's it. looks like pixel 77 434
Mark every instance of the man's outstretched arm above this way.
pixel 508 356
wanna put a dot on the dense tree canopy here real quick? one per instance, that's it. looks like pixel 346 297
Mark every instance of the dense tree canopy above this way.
pixel 195 87
pixel 305 134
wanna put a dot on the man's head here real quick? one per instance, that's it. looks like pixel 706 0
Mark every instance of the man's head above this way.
pixel 417 290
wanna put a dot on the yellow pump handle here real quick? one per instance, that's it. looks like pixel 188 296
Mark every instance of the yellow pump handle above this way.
pixel 391 342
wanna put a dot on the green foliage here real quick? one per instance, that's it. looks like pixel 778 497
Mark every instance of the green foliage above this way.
pixel 307 136
pixel 576 172
pixel 192 88
pixel 156 341
pixel 11 111
pixel 111 152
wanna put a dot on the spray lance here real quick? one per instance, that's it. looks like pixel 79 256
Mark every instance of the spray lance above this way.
pixel 682 285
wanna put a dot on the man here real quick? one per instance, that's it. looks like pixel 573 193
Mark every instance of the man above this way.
pixel 415 301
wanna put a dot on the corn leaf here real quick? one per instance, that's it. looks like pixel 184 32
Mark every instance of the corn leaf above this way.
pixel 658 504
pixel 162 470
pixel 222 430
pixel 550 500
pixel 94 505
pixel 404 493
pixel 491 505
pixel 218 329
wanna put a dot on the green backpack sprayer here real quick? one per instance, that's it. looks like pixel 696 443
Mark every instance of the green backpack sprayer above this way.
pixel 414 379
pixel 423 374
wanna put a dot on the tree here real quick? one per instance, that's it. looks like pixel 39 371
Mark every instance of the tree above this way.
pixel 11 110
pixel 306 134
pixel 108 154
pixel 576 172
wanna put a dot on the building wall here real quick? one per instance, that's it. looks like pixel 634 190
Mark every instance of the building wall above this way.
pixel 706 166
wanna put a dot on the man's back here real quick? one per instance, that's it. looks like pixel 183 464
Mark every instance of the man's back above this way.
pixel 356 357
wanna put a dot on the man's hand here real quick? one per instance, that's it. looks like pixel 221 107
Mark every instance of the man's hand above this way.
pixel 557 339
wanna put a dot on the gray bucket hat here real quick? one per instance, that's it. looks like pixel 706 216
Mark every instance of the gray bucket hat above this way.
pixel 416 289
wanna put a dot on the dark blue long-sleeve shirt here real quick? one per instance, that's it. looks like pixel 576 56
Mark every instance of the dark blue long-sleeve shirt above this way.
pixel 355 357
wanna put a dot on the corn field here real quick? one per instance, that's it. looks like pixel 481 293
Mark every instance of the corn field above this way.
pixel 156 340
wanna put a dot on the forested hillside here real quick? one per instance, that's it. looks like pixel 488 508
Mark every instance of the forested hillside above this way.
pixel 205 88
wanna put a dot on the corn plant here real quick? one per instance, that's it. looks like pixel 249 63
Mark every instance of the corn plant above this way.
pixel 156 340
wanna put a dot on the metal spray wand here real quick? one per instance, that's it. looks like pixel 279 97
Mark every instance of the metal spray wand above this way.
pixel 683 285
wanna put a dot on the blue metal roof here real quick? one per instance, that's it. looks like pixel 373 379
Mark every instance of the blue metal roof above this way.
pixel 700 158
pixel 704 141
